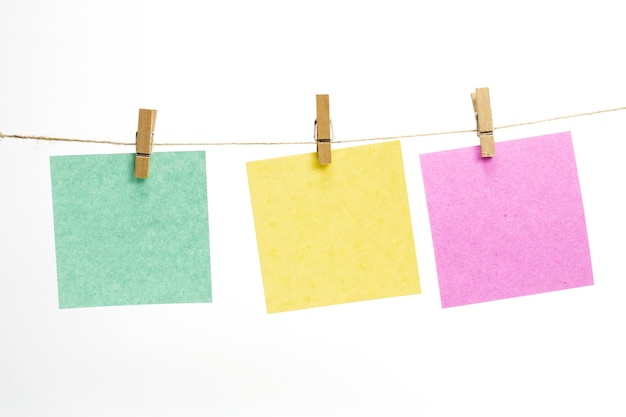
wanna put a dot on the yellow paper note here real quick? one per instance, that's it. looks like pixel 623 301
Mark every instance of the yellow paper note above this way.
pixel 335 233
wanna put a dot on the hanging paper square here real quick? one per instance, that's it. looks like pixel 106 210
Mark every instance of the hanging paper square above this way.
pixel 122 240
pixel 335 233
pixel 507 226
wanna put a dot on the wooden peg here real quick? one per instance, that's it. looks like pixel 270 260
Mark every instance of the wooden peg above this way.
pixel 322 136
pixel 145 130
pixel 484 122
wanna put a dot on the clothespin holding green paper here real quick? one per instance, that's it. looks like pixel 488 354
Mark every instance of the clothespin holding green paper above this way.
pixel 145 133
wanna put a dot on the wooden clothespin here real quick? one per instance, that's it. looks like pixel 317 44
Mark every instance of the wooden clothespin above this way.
pixel 145 130
pixel 322 124
pixel 484 123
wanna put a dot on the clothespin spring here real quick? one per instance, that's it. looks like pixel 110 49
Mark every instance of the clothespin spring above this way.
pixel 332 132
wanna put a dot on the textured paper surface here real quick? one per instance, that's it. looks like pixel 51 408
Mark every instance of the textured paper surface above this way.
pixel 335 233
pixel 122 240
pixel 507 226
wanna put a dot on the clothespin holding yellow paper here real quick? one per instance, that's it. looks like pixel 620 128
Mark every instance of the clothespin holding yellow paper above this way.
pixel 322 130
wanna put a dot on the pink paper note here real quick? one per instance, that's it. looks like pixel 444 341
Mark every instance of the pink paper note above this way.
pixel 510 225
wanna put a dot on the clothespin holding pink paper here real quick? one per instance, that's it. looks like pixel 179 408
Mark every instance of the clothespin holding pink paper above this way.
pixel 484 122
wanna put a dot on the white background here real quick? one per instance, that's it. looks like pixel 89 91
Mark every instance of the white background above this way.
pixel 249 71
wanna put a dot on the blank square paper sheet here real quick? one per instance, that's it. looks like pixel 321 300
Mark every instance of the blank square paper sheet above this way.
pixel 122 240
pixel 507 226
pixel 331 234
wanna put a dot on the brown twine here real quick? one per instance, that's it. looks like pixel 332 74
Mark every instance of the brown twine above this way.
pixel 110 142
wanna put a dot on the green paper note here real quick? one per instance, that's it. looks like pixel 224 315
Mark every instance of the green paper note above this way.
pixel 122 240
